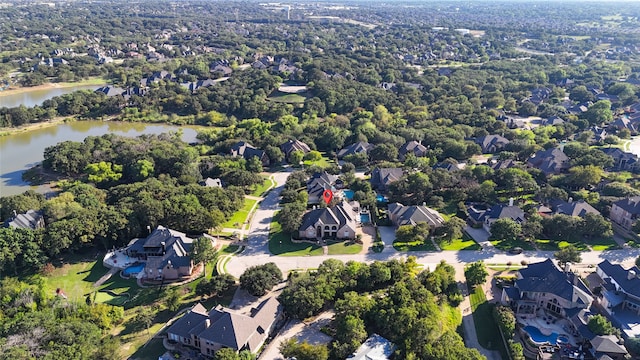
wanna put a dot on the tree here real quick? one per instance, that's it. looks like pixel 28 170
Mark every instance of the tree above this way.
pixel 599 325
pixel 103 172
pixel 505 229
pixel 295 157
pixel 144 318
pixel 568 254
pixel 227 354
pixel 203 252
pixel 313 155
pixel 143 169
pixel 254 165
pixel 257 280
pixel 172 299
pixel 476 273
pixel 595 225
pixel 583 176
pixel 216 285
pixel 412 233
pixel 452 229
pixel 599 113
pixel 303 351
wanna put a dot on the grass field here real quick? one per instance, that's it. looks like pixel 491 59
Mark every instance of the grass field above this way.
pixel 241 216
pixel 278 96
pixel 259 190
pixel 323 163
pixel 344 248
pixel 510 244
pixel 281 244
pixel 414 246
pixel 486 328
pixel 466 243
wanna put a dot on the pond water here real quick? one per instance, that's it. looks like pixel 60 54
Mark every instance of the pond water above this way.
pixel 23 150
pixel 35 97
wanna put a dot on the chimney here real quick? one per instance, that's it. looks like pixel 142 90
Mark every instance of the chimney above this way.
pixel 163 247
pixel 424 203
pixel 15 213
pixel 207 323
pixel 510 201
pixel 631 275
pixel 567 267
pixel 570 199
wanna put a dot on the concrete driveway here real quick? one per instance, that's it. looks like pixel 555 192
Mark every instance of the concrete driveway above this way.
pixel 388 236
pixel 481 236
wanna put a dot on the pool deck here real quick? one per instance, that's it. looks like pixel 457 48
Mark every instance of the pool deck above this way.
pixel 117 259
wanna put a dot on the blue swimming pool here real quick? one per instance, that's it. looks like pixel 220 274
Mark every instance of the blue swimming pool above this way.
pixel 540 338
pixel 365 219
pixel 133 269
pixel 381 199
pixel 348 194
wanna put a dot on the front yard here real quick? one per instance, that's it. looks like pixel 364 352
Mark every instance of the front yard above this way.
pixel 465 243
pixel 425 245
pixel 241 216
pixel 281 244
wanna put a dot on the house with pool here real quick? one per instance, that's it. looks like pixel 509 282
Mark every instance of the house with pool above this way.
pixel 161 256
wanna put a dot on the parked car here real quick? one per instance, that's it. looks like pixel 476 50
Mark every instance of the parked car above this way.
pixel 515 250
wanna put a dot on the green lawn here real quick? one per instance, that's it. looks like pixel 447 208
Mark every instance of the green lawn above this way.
pixel 259 190
pixel 344 248
pixel 241 216
pixel 510 244
pixel 281 244
pixel 152 351
pixel 596 244
pixel 414 246
pixel 466 243
pixel 324 162
pixel 486 328
pixel 603 244
pixel 278 96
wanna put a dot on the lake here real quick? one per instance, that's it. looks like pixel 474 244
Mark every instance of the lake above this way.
pixel 23 150
pixel 35 97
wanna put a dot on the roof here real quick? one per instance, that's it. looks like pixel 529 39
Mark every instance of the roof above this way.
pixel 30 220
pixel 621 277
pixel 382 177
pixel 355 149
pixel 631 205
pixel 551 161
pixel 246 150
pixel 573 208
pixel 487 143
pixel 183 326
pixel 209 182
pixel 320 182
pixel 545 277
pixel 504 164
pixel 293 145
pixel 237 331
pixel 502 211
pixel 412 215
pixel 374 348
pixel 413 147
pixel 167 247
pixel 339 215
pixel 607 344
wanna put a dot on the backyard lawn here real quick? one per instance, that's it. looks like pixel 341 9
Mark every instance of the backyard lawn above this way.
pixel 282 97
pixel 241 216
pixel 486 328
pixel 324 162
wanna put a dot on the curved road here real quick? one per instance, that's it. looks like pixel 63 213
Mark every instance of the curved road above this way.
pixel 257 248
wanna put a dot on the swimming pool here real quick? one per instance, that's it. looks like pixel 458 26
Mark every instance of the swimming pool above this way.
pixel 540 338
pixel 133 269
pixel 381 199
pixel 348 194
pixel 364 218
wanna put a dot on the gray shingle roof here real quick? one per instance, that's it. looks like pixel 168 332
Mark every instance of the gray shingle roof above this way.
pixel 412 147
pixel 551 161
pixel 382 177
pixel 412 215
pixel 631 205
pixel 607 344
pixel 293 145
pixel 621 276
pixel 545 277
pixel 30 220
pixel 575 208
pixel 339 215
pixel 355 149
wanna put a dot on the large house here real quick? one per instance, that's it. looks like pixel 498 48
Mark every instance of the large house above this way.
pixel 625 212
pixel 544 285
pixel 381 178
pixel 412 215
pixel 487 217
pixel 359 147
pixel 336 222
pixel 209 331
pixel 491 143
pixel 622 160
pixel 294 145
pixel 165 253
pixel 573 208
pixel 247 151
pixel 318 183
pixel 620 296
pixel 412 147
pixel 31 220
pixel 551 161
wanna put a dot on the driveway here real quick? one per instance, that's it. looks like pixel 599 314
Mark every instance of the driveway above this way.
pixel 481 236
pixel 309 332
pixel 388 236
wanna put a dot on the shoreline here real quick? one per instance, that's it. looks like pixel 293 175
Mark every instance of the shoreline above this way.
pixel 6 131
pixel 50 85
